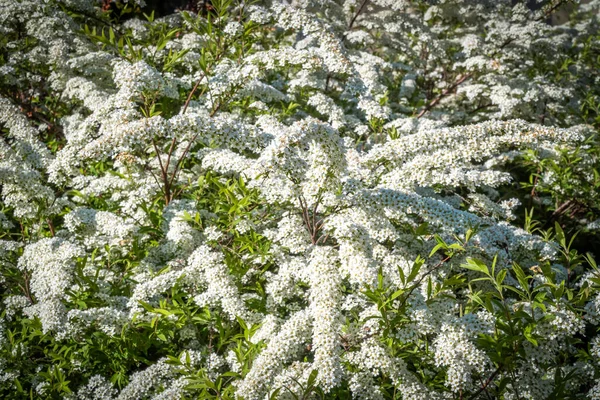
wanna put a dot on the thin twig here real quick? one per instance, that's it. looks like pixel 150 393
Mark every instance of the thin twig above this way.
pixel 412 289
pixel 156 179
pixel 364 3
pixel 481 107
pixel 189 145
pixel 304 217
pixel 324 237
pixel 314 214
pixel 168 182
pixel 312 228
pixel 444 93
pixel 51 226
pixel 485 388
pixel 549 12
pixel 25 288
pixel 185 151
pixel 171 148
pixel 189 98
pixel 187 148
pixel 214 111
pixel 487 383
pixel 562 209
pixel 166 185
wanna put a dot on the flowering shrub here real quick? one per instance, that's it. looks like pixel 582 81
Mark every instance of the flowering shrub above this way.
pixel 363 199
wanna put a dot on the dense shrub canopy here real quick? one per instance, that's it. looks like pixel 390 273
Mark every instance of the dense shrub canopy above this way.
pixel 366 199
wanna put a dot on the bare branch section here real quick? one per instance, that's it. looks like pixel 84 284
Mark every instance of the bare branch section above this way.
pixel 550 10
pixel 360 10
pixel 449 90
pixel 311 221
pixel 168 180
pixel 189 98
pixel 486 383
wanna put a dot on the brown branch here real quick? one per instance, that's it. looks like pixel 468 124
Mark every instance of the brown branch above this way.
pixel 167 189
pixel 535 182
pixel 306 218
pixel 25 288
pixel 189 145
pixel 51 227
pixel 214 111
pixel 155 178
pixel 412 289
pixel 549 12
pixel 315 226
pixel 562 209
pixel 314 215
pixel 168 181
pixel 185 151
pixel 507 42
pixel 484 385
pixel 171 148
pixel 481 107
pixel 189 98
pixel 444 93
pixel 360 9
pixel 204 74
pixel 324 238
pixel 320 223
pixel 487 383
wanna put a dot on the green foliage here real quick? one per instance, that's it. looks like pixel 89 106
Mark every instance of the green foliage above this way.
pixel 562 193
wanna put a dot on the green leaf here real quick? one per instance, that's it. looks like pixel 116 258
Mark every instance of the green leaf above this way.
pixel 559 235
pixel 312 377
pixel 396 294
pixel 501 276
pixel 440 245
pixel 474 264
pixel 419 261
pixel 197 386
pixel 528 335
pixel 402 277
pixel 18 385
pixel 242 323
pixel 146 306
pixel 469 234
pixel 274 394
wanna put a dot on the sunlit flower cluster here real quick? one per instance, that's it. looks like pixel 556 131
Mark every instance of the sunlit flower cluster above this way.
pixel 310 196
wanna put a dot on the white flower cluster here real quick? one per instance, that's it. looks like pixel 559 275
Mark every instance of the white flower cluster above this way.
pixel 99 227
pixel 51 263
pixel 454 350
pixel 325 300
pixel 143 382
pixel 282 348
pixel 21 166
pixel 363 161
pixel 97 388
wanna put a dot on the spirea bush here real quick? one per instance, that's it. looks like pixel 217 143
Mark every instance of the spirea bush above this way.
pixel 359 199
